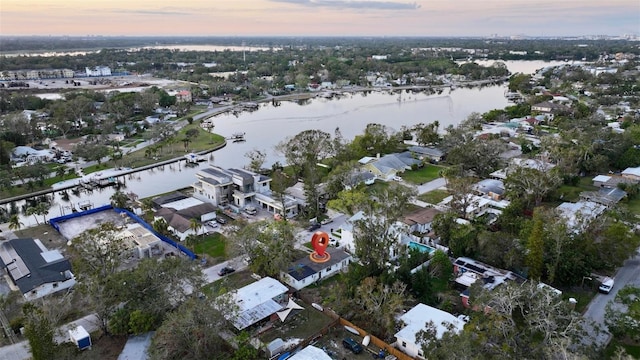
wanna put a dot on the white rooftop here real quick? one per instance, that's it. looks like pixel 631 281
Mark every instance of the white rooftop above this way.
pixel 255 301
pixel 578 212
pixel 416 319
pixel 310 353
pixel 602 178
pixel 632 171
pixel 183 204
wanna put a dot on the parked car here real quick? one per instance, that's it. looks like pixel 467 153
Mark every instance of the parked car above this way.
pixel 397 178
pixel 326 221
pixel 314 227
pixel 213 224
pixel 606 286
pixel 226 271
pixel 352 345
pixel 221 220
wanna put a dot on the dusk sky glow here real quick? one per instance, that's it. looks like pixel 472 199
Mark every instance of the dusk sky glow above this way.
pixel 320 17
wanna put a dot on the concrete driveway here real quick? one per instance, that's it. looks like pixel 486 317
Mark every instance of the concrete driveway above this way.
pixel 211 273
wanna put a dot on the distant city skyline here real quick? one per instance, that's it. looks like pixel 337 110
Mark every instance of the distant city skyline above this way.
pixel 320 17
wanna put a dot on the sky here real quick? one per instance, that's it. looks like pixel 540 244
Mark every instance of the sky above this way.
pixel 320 17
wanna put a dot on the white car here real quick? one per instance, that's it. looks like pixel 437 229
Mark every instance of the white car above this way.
pixel 213 224
pixel 606 286
pixel 397 178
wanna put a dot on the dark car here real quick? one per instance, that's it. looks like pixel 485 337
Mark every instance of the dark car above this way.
pixel 226 271
pixel 313 227
pixel 221 220
pixel 352 345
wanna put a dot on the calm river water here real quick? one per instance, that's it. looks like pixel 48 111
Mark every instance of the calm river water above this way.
pixel 271 124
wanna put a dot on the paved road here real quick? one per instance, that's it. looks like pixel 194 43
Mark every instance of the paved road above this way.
pixel 629 274
pixel 431 185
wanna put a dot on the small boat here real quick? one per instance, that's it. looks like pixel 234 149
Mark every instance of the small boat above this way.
pixel 352 330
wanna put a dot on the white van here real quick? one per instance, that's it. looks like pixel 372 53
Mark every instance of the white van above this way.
pixel 606 286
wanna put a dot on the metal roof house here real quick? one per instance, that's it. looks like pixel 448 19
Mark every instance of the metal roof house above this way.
pixel 257 301
pixel 36 271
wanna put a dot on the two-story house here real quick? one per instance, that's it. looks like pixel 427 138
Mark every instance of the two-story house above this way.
pixel 239 188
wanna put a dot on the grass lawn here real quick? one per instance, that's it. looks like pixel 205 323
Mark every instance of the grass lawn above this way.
pixel 212 245
pixel 378 185
pixel 232 281
pixel 420 176
pixel 300 324
pixel 434 196
pixel 572 192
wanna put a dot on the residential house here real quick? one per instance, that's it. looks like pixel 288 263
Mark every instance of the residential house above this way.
pixel 388 166
pixel 420 220
pixel 632 173
pixel 34 269
pixel 183 96
pixel 178 215
pixel 604 196
pixel 550 109
pixel 491 188
pixel 345 235
pixel 476 206
pixel 305 272
pixel 611 181
pixel 429 153
pixel 579 214
pixel 359 177
pixel 416 320
pixel 256 302
pixel 223 187
pixel 515 163
pixel 467 271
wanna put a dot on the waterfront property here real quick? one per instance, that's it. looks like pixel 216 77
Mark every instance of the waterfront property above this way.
pixel 36 271
pixel 238 189
pixel 388 166
pixel 179 212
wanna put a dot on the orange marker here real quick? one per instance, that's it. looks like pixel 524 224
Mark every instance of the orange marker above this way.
pixel 320 241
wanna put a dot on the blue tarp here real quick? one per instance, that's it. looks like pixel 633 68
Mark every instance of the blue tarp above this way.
pixel 55 224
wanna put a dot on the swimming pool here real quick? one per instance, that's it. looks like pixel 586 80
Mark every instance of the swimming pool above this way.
pixel 422 247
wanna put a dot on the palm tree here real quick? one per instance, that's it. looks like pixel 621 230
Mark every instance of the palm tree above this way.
pixel 195 225
pixel 119 199
pixel 14 223
pixel 42 209
pixel 33 211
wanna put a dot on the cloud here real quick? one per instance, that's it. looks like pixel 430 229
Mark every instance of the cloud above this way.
pixel 354 4
pixel 148 12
